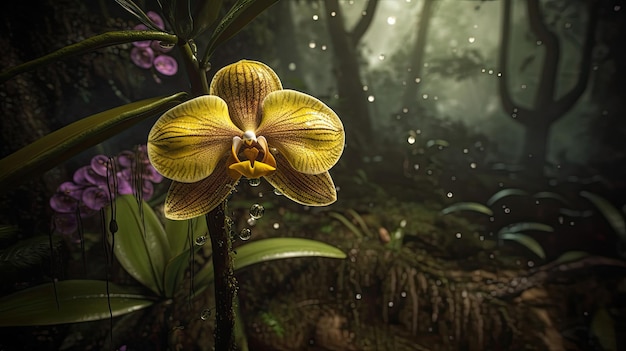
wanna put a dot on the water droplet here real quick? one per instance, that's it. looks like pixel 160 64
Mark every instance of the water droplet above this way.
pixel 206 313
pixel 424 96
pixel 324 47
pixel 254 181
pixel 276 225
pixel 390 304
pixel 381 57
pixel 471 39
pixel 312 45
pixel 411 139
pixel 316 17
pixel 391 20
pixel 473 165
pixel 256 211
pixel 357 296
pixel 201 240
pixel 370 98
pixel 292 66
pixel 277 192
pixel 333 14
pixel 251 221
pixel 245 234
pixel 458 235
pixel 403 294
pixel 449 194
pixel 365 87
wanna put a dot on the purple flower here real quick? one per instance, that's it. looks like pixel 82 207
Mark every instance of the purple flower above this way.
pixel 100 164
pixel 71 189
pixel 63 203
pixel 65 223
pixel 156 19
pixel 166 65
pixel 124 182
pixel 142 57
pixel 95 198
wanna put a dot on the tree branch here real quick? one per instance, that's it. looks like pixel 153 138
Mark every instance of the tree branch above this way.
pixel 364 22
pixel 549 71
pixel 508 104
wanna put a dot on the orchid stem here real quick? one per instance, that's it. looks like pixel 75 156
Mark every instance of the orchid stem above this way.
pixel 225 281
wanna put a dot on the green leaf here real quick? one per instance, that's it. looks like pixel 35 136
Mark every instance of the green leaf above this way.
pixel 527 241
pixel 346 222
pixel 8 231
pixel 205 14
pixel 178 233
pixel 242 13
pixel 271 249
pixel 437 142
pixel 68 141
pixel 504 193
pixel 610 213
pixel 136 11
pixel 603 327
pixel 78 301
pixel 175 271
pixel 550 195
pixel 571 256
pixel 526 226
pixel 142 253
pixel 467 206
pixel 88 45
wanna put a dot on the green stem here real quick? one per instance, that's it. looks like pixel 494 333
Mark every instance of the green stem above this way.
pixel 88 45
pixel 225 282
pixel 197 75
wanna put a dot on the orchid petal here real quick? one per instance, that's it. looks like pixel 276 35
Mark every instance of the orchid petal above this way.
pixel 306 189
pixel 185 201
pixel 244 85
pixel 302 128
pixel 188 141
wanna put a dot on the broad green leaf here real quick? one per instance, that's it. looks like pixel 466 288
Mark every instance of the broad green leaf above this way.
pixel 88 45
pixel 29 252
pixel 175 271
pixel 504 193
pixel 526 226
pixel 142 253
pixel 610 213
pixel 68 141
pixel 242 13
pixel 271 249
pixel 78 301
pixel 527 241
pixel 178 232
pixel 467 206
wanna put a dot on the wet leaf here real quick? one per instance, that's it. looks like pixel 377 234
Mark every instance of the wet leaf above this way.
pixel 272 249
pixel 79 301
pixel 610 213
pixel 504 193
pixel 141 246
pixel 467 206
pixel 175 271
pixel 527 241
pixel 178 232
pixel 58 146
pixel 526 226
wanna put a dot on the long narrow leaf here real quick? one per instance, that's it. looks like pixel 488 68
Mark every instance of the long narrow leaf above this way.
pixel 136 11
pixel 526 226
pixel 527 241
pixel 68 141
pixel 272 249
pixel 504 193
pixel 468 206
pixel 78 301
pixel 610 213
pixel 87 45
pixel 242 13
pixel 142 253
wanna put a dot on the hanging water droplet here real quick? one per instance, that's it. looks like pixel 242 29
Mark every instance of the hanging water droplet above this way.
pixel 201 240
pixel 205 314
pixel 277 192
pixel 254 181
pixel 256 211
pixel 251 221
pixel 245 234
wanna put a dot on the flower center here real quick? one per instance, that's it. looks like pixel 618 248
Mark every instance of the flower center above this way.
pixel 250 157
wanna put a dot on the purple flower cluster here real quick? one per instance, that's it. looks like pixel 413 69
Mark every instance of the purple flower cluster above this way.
pixel 95 185
pixel 152 53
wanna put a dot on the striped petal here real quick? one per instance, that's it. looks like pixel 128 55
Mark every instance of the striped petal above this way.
pixel 186 143
pixel 303 129
pixel 244 85
pixel 189 200
pixel 306 189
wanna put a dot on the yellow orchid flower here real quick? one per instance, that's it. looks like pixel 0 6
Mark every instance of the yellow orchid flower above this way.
pixel 248 126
